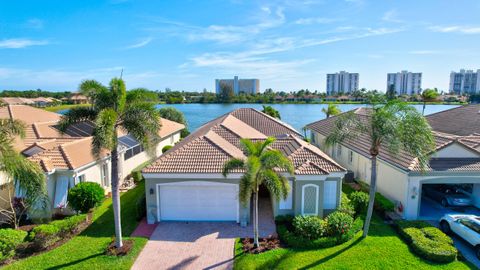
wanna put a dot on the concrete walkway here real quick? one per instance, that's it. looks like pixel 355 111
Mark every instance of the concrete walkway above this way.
pixel 199 245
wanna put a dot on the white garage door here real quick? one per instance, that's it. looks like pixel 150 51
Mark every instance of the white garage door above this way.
pixel 198 201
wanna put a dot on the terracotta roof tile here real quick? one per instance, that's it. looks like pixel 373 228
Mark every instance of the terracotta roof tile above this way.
pixel 207 149
pixel 463 120
pixel 403 160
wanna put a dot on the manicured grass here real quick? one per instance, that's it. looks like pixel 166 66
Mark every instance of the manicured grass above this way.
pixel 86 251
pixel 383 249
pixel 64 107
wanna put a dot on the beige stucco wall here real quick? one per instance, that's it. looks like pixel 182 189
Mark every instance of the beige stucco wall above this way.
pixel 455 151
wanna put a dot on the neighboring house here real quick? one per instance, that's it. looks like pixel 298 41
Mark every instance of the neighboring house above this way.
pixel 17 101
pixel 77 98
pixel 66 158
pixel 456 160
pixel 462 120
pixel 39 101
pixel 186 183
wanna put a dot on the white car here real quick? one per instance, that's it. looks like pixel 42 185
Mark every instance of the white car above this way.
pixel 465 226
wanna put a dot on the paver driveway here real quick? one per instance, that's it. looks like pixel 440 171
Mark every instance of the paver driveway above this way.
pixel 197 245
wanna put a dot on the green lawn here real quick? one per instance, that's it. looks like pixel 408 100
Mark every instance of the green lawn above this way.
pixel 64 107
pixel 383 249
pixel 85 251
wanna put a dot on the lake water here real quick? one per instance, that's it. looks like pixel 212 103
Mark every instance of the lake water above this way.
pixel 297 115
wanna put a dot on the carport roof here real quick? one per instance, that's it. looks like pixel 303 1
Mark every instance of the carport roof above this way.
pixel 208 148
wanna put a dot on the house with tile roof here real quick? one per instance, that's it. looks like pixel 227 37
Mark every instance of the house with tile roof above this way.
pixel 66 158
pixel 454 162
pixel 186 183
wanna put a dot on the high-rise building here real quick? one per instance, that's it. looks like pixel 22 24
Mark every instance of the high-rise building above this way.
pixel 342 82
pixel 465 82
pixel 404 82
pixel 247 86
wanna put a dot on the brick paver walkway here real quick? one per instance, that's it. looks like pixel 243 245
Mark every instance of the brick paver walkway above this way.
pixel 198 245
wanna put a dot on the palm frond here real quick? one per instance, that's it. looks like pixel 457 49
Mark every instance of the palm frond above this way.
pixel 104 133
pixel 272 159
pixel 347 126
pixel 142 121
pixel 276 183
pixel 232 164
pixel 246 187
pixel 91 89
pixel 263 145
pixel 76 115
pixel 249 147
pixel 141 95
pixel 12 127
pixel 119 94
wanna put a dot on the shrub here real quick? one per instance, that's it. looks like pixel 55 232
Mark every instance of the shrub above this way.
pixel 9 241
pixel 427 241
pixel 296 241
pixel 346 205
pixel 137 176
pixel 383 204
pixel 68 225
pixel 285 220
pixel 45 235
pixel 309 227
pixel 338 223
pixel 359 201
pixel 166 148
pixel 85 196
pixel 141 206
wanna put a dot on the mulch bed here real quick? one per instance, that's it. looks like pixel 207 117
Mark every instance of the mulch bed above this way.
pixel 124 250
pixel 265 244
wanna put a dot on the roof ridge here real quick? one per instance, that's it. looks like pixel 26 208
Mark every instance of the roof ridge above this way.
pixel 65 156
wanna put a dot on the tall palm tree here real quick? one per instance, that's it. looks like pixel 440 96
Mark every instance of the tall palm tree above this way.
pixel 331 110
pixel 271 111
pixel 428 95
pixel 394 126
pixel 262 166
pixel 21 173
pixel 110 112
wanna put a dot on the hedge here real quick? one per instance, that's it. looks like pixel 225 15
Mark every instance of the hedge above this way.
pixel 46 235
pixel 9 241
pixel 299 242
pixel 427 241
pixel 382 204
pixel 85 196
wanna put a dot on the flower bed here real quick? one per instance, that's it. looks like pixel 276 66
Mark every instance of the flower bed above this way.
pixel 427 241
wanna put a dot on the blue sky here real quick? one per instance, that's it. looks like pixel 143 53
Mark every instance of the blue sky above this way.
pixel 185 45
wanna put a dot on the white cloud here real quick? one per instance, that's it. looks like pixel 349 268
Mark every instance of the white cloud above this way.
pixel 142 43
pixel 17 43
pixel 315 20
pixel 391 16
pixel 456 29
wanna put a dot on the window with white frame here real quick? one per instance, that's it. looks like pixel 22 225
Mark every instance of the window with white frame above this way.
pixel 310 199
pixel 350 157
pixel 81 178
pixel 287 203
pixel 105 181
pixel 330 195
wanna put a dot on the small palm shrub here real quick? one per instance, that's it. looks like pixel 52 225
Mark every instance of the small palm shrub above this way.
pixel 309 227
pixel 166 148
pixel 339 223
pixel 137 176
pixel 346 205
pixel 359 201
pixel 9 241
pixel 85 196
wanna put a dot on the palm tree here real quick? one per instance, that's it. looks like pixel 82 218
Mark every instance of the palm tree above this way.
pixel 331 110
pixel 21 173
pixel 110 112
pixel 261 166
pixel 428 95
pixel 394 126
pixel 271 111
